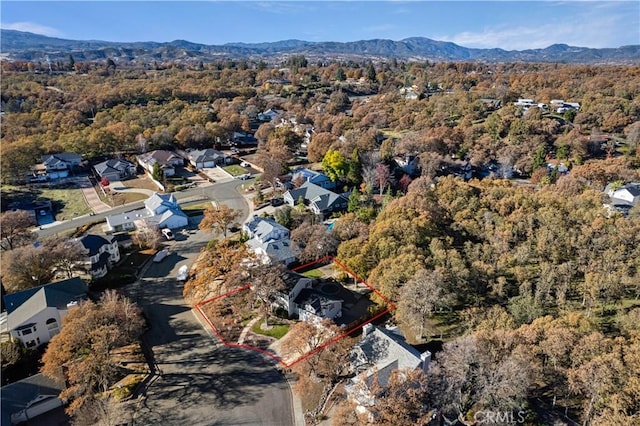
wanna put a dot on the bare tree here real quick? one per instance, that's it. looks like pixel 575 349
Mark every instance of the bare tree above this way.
pixel 147 235
pixel 266 281
pixel 15 229
pixel 314 241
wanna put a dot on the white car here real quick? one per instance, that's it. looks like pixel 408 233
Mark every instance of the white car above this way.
pixel 183 273
pixel 167 233
pixel 159 257
pixel 244 164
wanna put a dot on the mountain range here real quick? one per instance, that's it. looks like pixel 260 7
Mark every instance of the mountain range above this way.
pixel 18 45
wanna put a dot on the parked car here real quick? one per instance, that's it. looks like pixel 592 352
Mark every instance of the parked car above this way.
pixel 244 176
pixel 183 273
pixel 167 234
pixel 40 405
pixel 159 257
pixel 244 164
pixel 277 201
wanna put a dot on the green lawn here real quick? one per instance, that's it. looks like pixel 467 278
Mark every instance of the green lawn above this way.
pixel 67 202
pixel 277 331
pixel 313 273
pixel 235 170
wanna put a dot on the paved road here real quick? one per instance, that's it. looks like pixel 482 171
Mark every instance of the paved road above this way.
pixel 221 192
pixel 201 382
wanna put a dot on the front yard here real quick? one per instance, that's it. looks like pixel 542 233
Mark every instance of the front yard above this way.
pixel 235 170
pixel 68 202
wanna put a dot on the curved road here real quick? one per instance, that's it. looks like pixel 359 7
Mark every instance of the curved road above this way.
pixel 197 380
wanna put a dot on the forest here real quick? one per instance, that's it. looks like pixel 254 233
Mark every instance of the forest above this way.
pixel 530 284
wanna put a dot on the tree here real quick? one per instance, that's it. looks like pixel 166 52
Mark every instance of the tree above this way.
pixel 371 73
pixel 218 218
pixel 314 241
pixel 335 165
pixel 95 330
pixel 401 401
pixel 383 177
pixel 157 173
pixel 29 267
pixel 266 280
pixel 340 76
pixel 147 235
pixel 66 255
pixel 421 296
pixel 15 228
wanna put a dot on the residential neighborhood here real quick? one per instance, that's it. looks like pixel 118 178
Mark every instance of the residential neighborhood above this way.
pixel 313 233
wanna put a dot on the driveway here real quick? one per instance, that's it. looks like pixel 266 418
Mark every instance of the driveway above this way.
pixel 199 381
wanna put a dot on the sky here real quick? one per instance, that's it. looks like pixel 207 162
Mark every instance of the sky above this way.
pixel 511 25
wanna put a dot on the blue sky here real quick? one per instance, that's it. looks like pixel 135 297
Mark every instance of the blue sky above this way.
pixel 504 24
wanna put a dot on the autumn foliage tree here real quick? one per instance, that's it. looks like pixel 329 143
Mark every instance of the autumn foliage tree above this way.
pixel 218 218
pixel 81 354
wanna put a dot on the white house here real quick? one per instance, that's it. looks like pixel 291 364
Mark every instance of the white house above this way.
pixel 35 315
pixel 294 284
pixel 269 240
pixel 161 210
pixel 59 165
pixel 380 352
pixel 312 306
pixel 101 254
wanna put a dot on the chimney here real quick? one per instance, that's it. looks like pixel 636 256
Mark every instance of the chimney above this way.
pixel 425 357
pixel 367 329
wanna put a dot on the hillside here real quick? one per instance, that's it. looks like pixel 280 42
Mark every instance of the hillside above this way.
pixel 17 45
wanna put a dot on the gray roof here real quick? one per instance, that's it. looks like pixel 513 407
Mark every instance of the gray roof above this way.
pixel 162 157
pixel 314 194
pixel 127 217
pixel 155 201
pixel 72 286
pixel 112 166
pixel 381 351
pixel 260 227
pixel 206 155
pixel 278 251
pixel 67 157
pixel 16 396
pixel 48 296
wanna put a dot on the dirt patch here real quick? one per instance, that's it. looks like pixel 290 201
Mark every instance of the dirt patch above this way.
pixel 141 182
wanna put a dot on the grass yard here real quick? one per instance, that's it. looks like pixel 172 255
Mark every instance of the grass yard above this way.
pixel 67 202
pixel 276 331
pixel 314 273
pixel 235 170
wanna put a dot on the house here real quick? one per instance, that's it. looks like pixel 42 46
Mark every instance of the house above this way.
pixel 161 210
pixel 409 93
pixel 115 170
pixel 269 240
pixel 410 164
pixel 101 253
pixel 313 306
pixel 207 158
pixel 314 177
pixel 270 114
pixel 623 197
pixel 243 138
pixel 24 399
pixel 380 352
pixel 319 200
pixel 35 315
pixel 294 284
pixel 57 166
pixel 167 160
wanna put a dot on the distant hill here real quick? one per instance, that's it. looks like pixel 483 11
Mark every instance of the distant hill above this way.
pixel 18 45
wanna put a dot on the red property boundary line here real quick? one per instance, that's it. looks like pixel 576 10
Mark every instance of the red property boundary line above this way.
pixel 390 306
